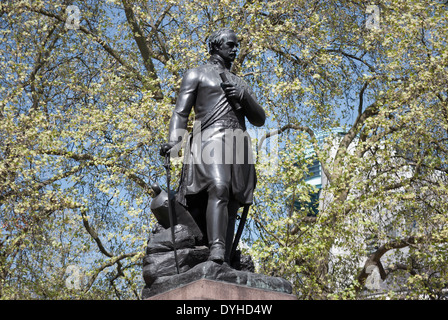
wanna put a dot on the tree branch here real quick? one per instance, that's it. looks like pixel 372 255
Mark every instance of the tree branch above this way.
pixel 361 97
pixel 164 56
pixel 110 163
pixel 94 234
pixel 110 263
pixel 300 128
pixel 142 46
pixel 375 258
pixel 94 36
pixel 113 259
pixel 348 55
pixel 41 184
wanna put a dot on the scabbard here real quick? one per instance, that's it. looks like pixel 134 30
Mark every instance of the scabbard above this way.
pixel 239 232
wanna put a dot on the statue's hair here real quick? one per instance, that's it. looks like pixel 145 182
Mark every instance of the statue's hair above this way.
pixel 217 38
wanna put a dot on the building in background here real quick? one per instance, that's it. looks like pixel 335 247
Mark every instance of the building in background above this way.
pixel 315 176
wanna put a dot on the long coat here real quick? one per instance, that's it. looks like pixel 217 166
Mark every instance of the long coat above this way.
pixel 219 149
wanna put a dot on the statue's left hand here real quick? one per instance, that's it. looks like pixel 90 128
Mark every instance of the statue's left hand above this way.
pixel 232 91
pixel 165 148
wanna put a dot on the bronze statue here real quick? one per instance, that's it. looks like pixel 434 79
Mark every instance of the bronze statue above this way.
pixel 218 175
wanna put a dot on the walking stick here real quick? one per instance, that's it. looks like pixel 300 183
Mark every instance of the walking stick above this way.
pixel 170 207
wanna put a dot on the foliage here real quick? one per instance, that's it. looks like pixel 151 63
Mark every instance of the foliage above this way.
pixel 83 111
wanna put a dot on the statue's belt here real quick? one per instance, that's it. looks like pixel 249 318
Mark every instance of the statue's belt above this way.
pixel 228 123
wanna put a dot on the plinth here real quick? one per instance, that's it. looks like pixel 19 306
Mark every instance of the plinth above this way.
pixel 197 278
pixel 217 281
pixel 205 289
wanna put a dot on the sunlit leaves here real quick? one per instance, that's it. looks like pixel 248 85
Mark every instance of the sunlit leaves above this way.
pixel 82 114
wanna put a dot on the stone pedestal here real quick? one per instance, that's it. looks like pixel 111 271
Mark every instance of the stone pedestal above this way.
pixel 199 278
pixel 209 280
pixel 205 289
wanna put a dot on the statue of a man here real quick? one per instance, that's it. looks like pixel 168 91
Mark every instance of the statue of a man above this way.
pixel 218 174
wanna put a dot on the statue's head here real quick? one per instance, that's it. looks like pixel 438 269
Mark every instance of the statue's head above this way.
pixel 224 42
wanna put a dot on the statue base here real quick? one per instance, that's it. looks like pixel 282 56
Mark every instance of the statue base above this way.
pixel 237 283
pixel 238 280
pixel 205 289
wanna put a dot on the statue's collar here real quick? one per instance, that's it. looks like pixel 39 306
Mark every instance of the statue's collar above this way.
pixel 218 60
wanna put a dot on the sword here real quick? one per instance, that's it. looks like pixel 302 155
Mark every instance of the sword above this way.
pixel 170 207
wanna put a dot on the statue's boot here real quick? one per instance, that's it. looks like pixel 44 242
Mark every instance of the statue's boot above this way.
pixel 217 220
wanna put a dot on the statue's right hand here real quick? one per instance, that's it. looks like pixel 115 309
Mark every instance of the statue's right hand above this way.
pixel 165 148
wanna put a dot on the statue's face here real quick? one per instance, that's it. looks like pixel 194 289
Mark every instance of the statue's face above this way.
pixel 228 48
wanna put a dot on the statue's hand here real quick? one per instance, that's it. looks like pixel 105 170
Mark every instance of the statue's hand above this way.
pixel 165 148
pixel 232 91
